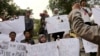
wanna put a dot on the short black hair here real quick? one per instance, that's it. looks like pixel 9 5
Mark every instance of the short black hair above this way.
pixel 82 1
pixel 26 31
pixel 12 33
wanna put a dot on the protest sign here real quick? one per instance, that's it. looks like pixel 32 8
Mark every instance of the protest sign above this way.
pixel 69 47
pixel 96 15
pixel 63 47
pixel 12 49
pixel 89 47
pixel 57 24
pixel 46 49
pixel 16 25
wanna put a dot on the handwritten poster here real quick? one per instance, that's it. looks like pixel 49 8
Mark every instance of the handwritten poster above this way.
pixel 12 49
pixel 57 24
pixel 46 49
pixel 89 47
pixel 17 25
pixel 69 47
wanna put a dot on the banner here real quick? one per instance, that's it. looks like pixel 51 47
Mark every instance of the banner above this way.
pixel 16 25
pixel 46 49
pixel 57 24
pixel 89 47
pixel 12 49
pixel 63 47
pixel 69 47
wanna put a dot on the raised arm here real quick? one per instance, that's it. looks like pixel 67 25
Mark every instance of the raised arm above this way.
pixel 90 33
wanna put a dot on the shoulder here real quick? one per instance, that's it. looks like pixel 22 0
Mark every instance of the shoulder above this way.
pixel 75 12
pixel 22 40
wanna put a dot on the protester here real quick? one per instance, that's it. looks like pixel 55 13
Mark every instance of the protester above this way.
pixel 56 12
pixel 58 34
pixel 90 33
pixel 12 36
pixel 42 39
pixel 87 13
pixel 29 24
pixel 43 29
pixel 28 39
pixel 84 7
pixel 43 16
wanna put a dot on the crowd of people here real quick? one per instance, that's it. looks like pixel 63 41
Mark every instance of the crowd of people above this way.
pixel 80 25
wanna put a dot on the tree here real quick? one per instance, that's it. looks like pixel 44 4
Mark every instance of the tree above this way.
pixel 10 7
pixel 64 6
pixel 4 4
pixel 36 27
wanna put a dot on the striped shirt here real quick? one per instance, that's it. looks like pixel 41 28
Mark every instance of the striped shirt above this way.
pixel 77 25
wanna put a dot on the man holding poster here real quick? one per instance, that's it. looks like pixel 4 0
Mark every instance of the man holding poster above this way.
pixel 57 25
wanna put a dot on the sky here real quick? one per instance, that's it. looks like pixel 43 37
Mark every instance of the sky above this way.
pixel 37 5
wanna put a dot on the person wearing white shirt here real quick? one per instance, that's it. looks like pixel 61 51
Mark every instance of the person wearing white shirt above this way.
pixel 86 14
pixel 57 35
pixel 12 36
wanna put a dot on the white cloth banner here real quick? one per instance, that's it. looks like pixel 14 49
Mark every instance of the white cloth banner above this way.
pixel 46 49
pixel 69 47
pixel 17 25
pixel 63 47
pixel 96 15
pixel 12 49
pixel 89 47
pixel 57 24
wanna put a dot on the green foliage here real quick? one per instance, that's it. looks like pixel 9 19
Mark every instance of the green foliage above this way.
pixel 36 26
pixel 64 6
pixel 10 7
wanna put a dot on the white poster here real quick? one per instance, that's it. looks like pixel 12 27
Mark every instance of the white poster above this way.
pixel 46 49
pixel 12 49
pixel 69 47
pixel 89 47
pixel 57 24
pixel 17 25
pixel 96 15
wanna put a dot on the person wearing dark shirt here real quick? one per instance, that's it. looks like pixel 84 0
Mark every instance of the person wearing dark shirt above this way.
pixel 29 24
pixel 28 39
pixel 43 29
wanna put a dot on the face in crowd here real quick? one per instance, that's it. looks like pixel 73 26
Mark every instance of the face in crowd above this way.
pixel 42 39
pixel 12 36
pixel 45 12
pixel 83 3
pixel 56 11
pixel 28 13
pixel 27 34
